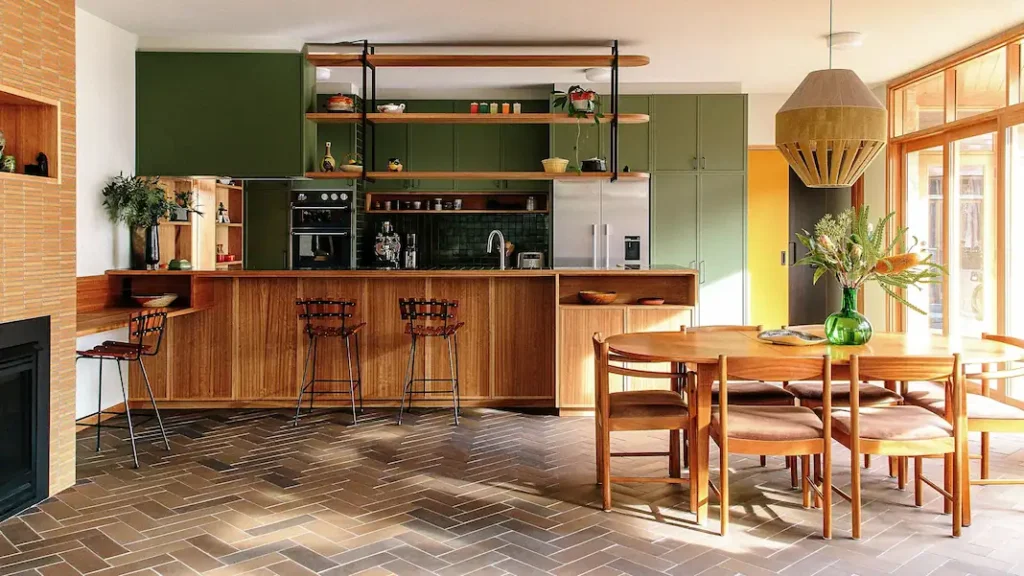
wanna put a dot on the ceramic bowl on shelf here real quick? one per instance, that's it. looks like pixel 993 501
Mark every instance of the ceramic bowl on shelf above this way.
pixel 650 301
pixel 351 167
pixel 554 165
pixel 339 103
pixel 154 300
pixel 391 108
pixel 596 297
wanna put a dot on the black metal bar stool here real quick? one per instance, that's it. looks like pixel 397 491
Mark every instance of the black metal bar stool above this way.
pixel 431 319
pixel 327 318
pixel 144 327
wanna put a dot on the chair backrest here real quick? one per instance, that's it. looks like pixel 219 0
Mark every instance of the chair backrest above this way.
pixel 325 312
pixel 945 369
pixel 991 373
pixel 722 328
pixel 147 329
pixel 427 312
pixel 607 363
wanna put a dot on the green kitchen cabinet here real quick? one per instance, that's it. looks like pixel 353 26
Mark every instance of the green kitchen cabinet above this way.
pixel 722 248
pixel 634 139
pixel 478 149
pixel 266 224
pixel 674 123
pixel 722 127
pixel 523 146
pixel 236 114
pixel 431 147
pixel 392 141
pixel 674 220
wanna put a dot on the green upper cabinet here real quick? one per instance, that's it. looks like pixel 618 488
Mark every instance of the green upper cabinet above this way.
pixel 431 146
pixel 392 141
pixel 634 139
pixel 674 220
pixel 266 224
pixel 722 127
pixel 674 122
pixel 236 114
pixel 478 149
pixel 523 146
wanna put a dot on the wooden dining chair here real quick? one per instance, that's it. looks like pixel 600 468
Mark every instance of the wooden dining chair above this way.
pixel 791 431
pixel 634 410
pixel 904 431
pixel 984 414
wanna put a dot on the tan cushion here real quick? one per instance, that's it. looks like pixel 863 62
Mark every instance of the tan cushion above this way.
pixel 899 423
pixel 870 394
pixel 754 394
pixel 646 404
pixel 771 423
pixel 933 397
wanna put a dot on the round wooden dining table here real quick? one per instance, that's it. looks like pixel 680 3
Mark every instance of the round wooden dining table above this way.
pixel 700 350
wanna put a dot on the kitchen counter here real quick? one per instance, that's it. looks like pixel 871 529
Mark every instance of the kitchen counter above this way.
pixel 233 338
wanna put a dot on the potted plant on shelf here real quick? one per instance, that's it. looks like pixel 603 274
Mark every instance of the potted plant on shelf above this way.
pixel 854 250
pixel 140 203
pixel 580 104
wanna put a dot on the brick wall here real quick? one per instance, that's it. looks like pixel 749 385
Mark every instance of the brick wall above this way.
pixel 37 219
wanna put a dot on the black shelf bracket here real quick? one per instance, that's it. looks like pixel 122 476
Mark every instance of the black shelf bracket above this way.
pixel 615 111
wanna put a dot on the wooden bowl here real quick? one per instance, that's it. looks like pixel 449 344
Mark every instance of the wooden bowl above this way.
pixel 650 301
pixel 154 300
pixel 595 297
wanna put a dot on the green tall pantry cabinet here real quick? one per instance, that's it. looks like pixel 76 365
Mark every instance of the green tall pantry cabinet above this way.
pixel 699 196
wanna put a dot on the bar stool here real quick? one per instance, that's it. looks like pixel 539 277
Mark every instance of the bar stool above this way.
pixel 431 319
pixel 142 327
pixel 326 318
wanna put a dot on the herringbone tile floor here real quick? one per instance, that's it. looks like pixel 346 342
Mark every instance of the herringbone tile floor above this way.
pixel 243 492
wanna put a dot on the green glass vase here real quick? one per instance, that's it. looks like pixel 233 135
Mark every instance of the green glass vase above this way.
pixel 848 327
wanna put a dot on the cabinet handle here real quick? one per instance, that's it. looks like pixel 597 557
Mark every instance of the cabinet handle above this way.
pixel 593 234
pixel 701 272
pixel 693 264
pixel 703 163
pixel 607 248
pixel 694 162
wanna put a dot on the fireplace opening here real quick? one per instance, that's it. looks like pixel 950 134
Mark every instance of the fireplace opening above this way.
pixel 24 414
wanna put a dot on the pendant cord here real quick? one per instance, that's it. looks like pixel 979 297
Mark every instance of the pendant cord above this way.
pixel 830 6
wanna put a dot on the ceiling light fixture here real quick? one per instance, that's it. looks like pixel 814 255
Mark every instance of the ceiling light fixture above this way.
pixel 832 126
pixel 598 74
pixel 845 40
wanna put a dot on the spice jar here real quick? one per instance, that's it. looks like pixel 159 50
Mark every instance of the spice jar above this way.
pixel 504 107
pixel 494 107
pixel 474 108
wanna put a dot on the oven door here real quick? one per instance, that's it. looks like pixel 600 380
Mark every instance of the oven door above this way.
pixel 322 250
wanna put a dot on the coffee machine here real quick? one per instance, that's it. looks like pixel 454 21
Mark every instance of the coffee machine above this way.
pixel 409 262
pixel 387 247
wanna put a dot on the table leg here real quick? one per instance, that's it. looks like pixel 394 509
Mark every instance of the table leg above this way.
pixel 702 433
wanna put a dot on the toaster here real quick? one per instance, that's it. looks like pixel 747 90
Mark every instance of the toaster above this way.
pixel 531 260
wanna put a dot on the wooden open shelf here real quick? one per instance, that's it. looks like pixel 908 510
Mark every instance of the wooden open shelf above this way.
pixel 31 124
pixel 352 60
pixel 231 225
pixel 473 202
pixel 230 235
pixel 228 187
pixel 477 175
pixel 467 118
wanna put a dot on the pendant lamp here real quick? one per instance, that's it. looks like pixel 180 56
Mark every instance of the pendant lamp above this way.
pixel 831 128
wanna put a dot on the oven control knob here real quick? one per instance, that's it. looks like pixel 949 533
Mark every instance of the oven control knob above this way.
pixel 324 196
pixel 334 196
pixel 344 196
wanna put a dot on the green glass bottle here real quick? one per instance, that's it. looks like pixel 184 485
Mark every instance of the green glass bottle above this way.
pixel 848 327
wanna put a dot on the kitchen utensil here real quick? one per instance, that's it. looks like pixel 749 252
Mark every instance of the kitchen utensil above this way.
pixel 154 300
pixel 391 108
pixel 594 165
pixel 554 165
pixel 457 204
pixel 650 301
pixel 596 297
pixel 791 338
pixel 530 260
pixel 339 103
pixel 416 204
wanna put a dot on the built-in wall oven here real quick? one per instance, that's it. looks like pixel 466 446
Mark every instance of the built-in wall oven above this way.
pixel 322 222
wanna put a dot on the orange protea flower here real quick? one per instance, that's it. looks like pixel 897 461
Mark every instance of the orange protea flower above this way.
pixel 898 263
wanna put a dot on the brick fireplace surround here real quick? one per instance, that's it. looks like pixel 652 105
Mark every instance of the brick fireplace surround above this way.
pixel 37 219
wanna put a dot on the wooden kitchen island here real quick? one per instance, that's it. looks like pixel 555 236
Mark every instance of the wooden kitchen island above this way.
pixel 234 340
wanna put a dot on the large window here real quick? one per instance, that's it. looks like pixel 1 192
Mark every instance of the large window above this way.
pixel 981 84
pixel 973 267
pixel 925 211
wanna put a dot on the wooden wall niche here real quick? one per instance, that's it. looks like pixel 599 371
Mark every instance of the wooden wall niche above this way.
pixel 31 124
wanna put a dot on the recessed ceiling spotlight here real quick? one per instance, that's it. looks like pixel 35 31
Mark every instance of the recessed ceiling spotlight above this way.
pixel 323 74
pixel 598 74
pixel 845 40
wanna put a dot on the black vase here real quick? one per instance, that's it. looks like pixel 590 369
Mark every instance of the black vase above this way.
pixel 152 246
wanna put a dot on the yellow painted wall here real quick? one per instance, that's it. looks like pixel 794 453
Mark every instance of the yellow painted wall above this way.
pixel 768 237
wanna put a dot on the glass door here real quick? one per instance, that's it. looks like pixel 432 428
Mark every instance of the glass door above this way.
pixel 926 221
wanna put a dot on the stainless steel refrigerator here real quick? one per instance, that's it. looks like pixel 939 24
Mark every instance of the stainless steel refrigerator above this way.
pixel 601 224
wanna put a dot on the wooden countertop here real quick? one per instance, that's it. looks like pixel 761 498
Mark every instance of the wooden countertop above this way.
pixel 485 273
pixel 107 319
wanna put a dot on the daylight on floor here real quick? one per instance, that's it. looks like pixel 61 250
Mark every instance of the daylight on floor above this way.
pixel 663 287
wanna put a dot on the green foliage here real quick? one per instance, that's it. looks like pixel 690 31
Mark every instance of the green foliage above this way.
pixel 850 247
pixel 139 202
pixel 562 101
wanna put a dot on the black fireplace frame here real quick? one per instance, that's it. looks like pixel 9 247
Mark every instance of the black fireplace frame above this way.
pixel 33 335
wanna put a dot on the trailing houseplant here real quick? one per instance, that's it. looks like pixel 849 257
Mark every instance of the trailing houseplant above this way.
pixel 853 249
pixel 140 203
pixel 580 104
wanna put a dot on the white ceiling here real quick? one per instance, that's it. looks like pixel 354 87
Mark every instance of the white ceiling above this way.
pixel 760 45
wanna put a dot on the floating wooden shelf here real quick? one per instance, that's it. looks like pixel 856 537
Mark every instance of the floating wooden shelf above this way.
pixel 28 178
pixel 466 118
pixel 453 212
pixel 31 125
pixel 97 321
pixel 353 60
pixel 229 186
pixel 477 175
pixel 230 225
pixel 227 265
pixel 176 222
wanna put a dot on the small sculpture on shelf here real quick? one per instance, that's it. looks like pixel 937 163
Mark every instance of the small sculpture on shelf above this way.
pixel 222 214
pixel 328 164
pixel 7 163
pixel 394 165
pixel 40 168
pixel 3 142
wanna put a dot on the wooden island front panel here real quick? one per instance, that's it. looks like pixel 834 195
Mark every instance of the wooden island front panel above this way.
pixel 526 343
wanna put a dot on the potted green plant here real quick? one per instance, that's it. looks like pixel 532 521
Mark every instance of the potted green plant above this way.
pixel 580 104
pixel 140 203
pixel 853 249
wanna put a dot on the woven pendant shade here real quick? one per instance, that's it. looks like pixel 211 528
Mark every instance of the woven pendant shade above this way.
pixel 830 129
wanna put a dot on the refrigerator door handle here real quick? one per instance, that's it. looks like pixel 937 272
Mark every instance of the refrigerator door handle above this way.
pixel 607 246
pixel 701 272
pixel 593 234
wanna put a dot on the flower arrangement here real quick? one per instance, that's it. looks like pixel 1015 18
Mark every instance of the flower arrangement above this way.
pixel 854 250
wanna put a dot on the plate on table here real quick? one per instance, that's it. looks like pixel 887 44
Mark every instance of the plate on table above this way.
pixel 791 338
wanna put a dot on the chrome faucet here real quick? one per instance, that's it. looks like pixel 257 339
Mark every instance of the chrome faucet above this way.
pixel 501 247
